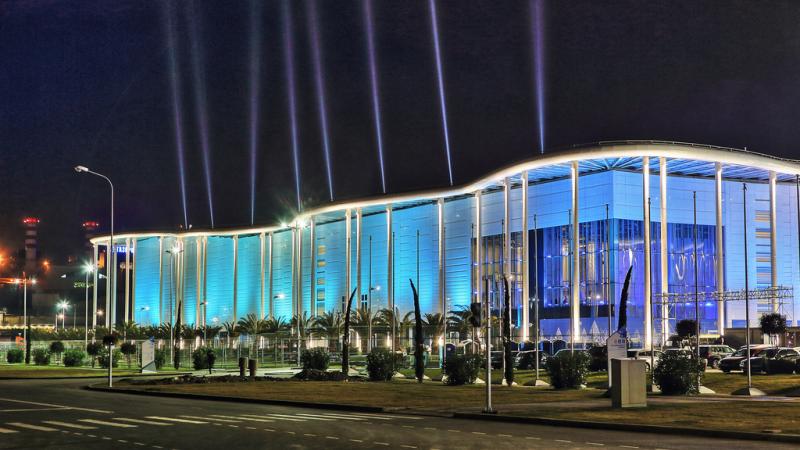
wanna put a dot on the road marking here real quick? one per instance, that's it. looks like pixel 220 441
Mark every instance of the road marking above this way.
pixel 250 428
pixel 563 440
pixel 595 443
pixel 30 409
pixel 359 416
pixel 291 432
pixel 239 419
pixel 331 437
pixel 143 422
pixel 110 424
pixel 157 446
pixel 210 419
pixel 478 432
pixel 268 429
pixel 30 427
pixel 69 425
pixel 122 440
pixel 174 419
pixel 56 406
pixel 385 416
pixel 106 438
pixel 309 434
pixel 628 446
pixel 504 435
pixel 138 443
pixel 454 431
pixel 356 440
pixel 334 416
pixel 408 426
pixel 533 438
pixel 381 443
pixel 408 446
pixel 430 428
pixel 77 433
pixel 6 430
pixel 284 417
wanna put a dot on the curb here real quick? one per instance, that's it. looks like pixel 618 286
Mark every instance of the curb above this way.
pixel 719 434
pixel 216 398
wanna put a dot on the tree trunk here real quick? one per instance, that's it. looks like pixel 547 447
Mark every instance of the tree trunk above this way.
pixel 419 365
pixel 346 336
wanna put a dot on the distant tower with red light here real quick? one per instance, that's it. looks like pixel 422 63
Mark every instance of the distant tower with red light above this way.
pixel 31 245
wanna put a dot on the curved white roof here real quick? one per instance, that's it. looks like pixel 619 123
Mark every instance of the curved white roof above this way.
pixel 682 159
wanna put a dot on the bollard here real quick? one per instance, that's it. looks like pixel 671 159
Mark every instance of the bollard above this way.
pixel 241 366
pixel 252 365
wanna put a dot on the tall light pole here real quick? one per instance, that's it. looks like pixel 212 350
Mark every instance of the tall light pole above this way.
pixel 87 269
pixel 110 253
pixel 63 305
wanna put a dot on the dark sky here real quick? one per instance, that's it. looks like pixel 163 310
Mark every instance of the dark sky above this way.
pixel 87 82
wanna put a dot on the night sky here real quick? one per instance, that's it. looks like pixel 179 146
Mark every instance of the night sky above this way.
pixel 88 82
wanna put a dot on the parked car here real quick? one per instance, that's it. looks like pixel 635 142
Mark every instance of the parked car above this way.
pixel 772 360
pixel 732 362
pixel 645 355
pixel 714 354
pixel 563 350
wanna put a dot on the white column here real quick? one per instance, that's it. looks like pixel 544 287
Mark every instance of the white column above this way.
pixel 160 280
pixel 662 195
pixel 389 257
pixel 440 223
pixel 109 282
pixel 648 288
pixel 293 292
pixel 524 277
pixel 358 255
pixel 720 253
pixel 133 279
pixel 261 256
pixel 773 236
pixel 127 280
pixel 205 279
pixel 478 251
pixel 299 277
pixel 198 273
pixel 312 242
pixel 347 258
pixel 94 285
pixel 506 227
pixel 575 284
pixel 235 276
pixel 271 290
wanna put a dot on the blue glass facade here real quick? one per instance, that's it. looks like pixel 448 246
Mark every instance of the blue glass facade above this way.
pixel 611 206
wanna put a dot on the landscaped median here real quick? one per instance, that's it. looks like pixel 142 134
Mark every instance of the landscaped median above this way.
pixel 706 415
pixel 22 371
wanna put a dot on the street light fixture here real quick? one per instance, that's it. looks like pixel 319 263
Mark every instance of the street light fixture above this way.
pixel 87 269
pixel 110 253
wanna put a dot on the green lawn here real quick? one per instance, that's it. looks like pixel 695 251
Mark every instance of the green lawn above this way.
pixel 779 384
pixel 34 371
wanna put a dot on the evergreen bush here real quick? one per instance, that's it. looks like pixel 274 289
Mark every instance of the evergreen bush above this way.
pixel 102 358
pixel 381 364
pixel 462 369
pixel 74 357
pixel 159 358
pixel 15 356
pixel 677 373
pixel 93 349
pixel 315 359
pixel 41 357
pixel 568 370
pixel 203 358
pixel 128 349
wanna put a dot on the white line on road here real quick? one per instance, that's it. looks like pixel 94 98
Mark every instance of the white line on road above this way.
pixel 30 427
pixel 69 425
pixel 143 422
pixel 381 443
pixel 595 443
pixel 174 419
pixel 356 440
pixel 6 430
pixel 239 419
pixel 56 406
pixel 563 440
pixel 335 416
pixel 331 437
pixel 110 424
pixel 285 417
pixel 211 419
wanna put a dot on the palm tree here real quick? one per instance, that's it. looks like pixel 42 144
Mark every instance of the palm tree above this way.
pixel 435 327
pixel 405 325
pixel 303 324
pixel 361 320
pixel 129 330
pixel 252 326
pixel 330 324
pixel 275 325
pixel 231 330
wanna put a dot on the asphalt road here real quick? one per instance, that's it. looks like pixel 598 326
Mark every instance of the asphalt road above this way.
pixel 59 414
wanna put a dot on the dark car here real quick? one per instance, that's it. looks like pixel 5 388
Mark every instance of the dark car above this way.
pixel 733 362
pixel 773 360
pixel 715 353
pixel 526 359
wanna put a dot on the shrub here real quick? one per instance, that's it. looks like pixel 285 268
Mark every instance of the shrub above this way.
pixel 316 358
pixel 41 357
pixel 381 364
pixel 15 355
pixel 128 349
pixel 102 358
pixel 203 358
pixel 599 358
pixel 568 370
pixel 677 373
pixel 462 369
pixel 74 357
pixel 93 349
pixel 159 358
pixel 57 347
pixel 527 361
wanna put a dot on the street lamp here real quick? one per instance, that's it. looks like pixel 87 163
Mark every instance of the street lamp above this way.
pixel 63 305
pixel 111 252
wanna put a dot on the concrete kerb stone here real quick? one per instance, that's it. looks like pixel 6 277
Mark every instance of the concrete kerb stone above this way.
pixel 616 426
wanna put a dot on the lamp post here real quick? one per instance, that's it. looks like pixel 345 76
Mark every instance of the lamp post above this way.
pixel 63 305
pixel 25 280
pixel 111 253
